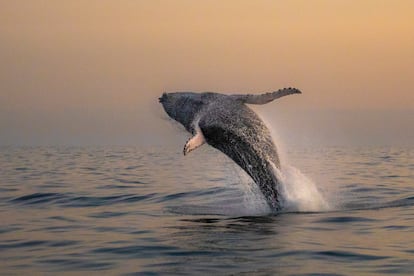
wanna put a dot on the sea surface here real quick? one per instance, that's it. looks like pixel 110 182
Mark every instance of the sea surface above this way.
pixel 152 211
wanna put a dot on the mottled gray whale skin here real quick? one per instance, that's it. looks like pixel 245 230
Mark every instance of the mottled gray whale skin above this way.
pixel 226 123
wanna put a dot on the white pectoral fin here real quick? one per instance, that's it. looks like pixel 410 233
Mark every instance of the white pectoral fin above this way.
pixel 194 142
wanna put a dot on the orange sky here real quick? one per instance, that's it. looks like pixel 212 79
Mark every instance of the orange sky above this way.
pixel 67 56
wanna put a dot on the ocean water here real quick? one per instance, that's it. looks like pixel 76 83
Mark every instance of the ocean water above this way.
pixel 129 210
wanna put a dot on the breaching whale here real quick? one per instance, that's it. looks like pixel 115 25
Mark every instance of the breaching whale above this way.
pixel 226 123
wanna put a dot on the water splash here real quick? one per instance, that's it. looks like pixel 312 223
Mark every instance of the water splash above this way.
pixel 254 203
pixel 250 201
pixel 299 193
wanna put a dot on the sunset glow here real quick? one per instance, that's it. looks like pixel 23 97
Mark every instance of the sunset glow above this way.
pixel 106 56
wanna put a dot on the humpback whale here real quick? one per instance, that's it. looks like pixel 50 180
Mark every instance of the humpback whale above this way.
pixel 226 123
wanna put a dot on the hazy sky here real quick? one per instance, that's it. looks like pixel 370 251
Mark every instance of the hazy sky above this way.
pixel 90 72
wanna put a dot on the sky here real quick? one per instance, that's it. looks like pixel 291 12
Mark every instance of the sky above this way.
pixel 90 72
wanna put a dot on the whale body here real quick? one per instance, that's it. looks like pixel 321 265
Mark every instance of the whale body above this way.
pixel 226 123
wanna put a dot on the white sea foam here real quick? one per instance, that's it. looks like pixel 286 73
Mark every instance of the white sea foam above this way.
pixel 254 202
pixel 298 192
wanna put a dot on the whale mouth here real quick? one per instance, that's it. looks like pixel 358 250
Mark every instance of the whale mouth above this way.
pixel 162 98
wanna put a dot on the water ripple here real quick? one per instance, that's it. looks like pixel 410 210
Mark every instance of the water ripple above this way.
pixel 135 251
pixel 73 200
pixel 38 198
pixel 124 210
pixel 345 220
pixel 347 256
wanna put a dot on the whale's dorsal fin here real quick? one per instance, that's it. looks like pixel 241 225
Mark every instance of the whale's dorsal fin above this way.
pixel 194 142
pixel 265 98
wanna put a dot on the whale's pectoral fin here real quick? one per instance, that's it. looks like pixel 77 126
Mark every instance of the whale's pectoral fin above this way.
pixel 267 97
pixel 194 142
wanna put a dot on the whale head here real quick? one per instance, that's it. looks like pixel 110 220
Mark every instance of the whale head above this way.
pixel 182 106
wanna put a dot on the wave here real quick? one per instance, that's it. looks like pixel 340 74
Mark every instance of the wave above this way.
pixel 73 200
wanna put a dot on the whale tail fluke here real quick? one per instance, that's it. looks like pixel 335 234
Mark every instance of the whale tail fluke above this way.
pixel 267 97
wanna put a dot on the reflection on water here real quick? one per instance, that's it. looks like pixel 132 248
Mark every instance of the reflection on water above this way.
pixel 123 210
